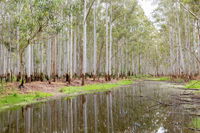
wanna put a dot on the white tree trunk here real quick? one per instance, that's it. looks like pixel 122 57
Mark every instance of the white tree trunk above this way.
pixel 65 53
pixel 41 62
pixel 107 56
pixel 95 43
pixel 29 61
pixel 32 59
pixel 110 52
pixel 4 60
pixel 119 59
pixel 75 56
pixel 71 47
pixel 171 41
pixel 68 50
pixel 18 60
pixel 59 56
pixel 49 58
pixel 85 39
pixel 180 45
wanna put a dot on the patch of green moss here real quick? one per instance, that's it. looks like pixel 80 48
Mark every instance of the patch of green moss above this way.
pixel 195 123
pixel 95 87
pixel 20 98
pixel 193 84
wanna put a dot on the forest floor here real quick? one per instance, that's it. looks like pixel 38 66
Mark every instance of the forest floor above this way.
pixel 54 87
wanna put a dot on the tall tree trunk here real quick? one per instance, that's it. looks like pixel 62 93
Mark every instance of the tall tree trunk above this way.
pixel 22 71
pixel 54 53
pixel 1 59
pixel 71 48
pixel 107 56
pixel 18 60
pixel 84 43
pixel 65 47
pixel 41 62
pixel 4 60
pixel 49 60
pixel 110 52
pixel 95 45
pixel 29 63
pixel 32 60
pixel 75 51
pixel 59 46
pixel 182 65
pixel 171 40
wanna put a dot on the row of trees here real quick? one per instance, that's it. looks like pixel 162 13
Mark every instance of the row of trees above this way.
pixel 56 38
pixel 50 39
pixel 179 23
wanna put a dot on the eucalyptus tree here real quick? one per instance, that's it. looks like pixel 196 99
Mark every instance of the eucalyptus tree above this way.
pixel 36 18
pixel 84 68
pixel 178 20
pixel 56 39
pixel 95 42
pixel 107 41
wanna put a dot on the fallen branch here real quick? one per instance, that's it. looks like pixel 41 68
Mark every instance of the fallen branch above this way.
pixel 194 129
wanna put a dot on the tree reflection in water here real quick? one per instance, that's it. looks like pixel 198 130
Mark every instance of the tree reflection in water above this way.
pixel 123 110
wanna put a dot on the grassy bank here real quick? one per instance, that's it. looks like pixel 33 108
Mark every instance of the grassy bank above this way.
pixel 94 87
pixel 11 98
pixel 193 84
pixel 17 98
pixel 195 123
pixel 160 78
pixel 165 78
pixel 149 77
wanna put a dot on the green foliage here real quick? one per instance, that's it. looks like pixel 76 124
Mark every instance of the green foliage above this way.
pixel 190 1
pixel 94 87
pixel 21 98
pixel 32 18
pixel 194 84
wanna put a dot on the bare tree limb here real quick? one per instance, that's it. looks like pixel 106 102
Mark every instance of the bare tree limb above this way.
pixel 89 10
pixel 188 10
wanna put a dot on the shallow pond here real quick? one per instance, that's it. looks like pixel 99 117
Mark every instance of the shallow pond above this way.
pixel 139 108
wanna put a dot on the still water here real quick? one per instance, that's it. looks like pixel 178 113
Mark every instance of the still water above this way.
pixel 137 108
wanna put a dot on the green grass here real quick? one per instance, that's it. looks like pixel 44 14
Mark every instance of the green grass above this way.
pixel 21 98
pixel 95 87
pixel 193 84
pixel 136 77
pixel 160 79
pixel 195 123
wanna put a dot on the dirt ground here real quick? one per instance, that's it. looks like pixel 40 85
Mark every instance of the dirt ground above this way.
pixel 54 86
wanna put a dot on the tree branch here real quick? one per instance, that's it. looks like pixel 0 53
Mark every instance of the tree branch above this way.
pixel 89 10
pixel 188 10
